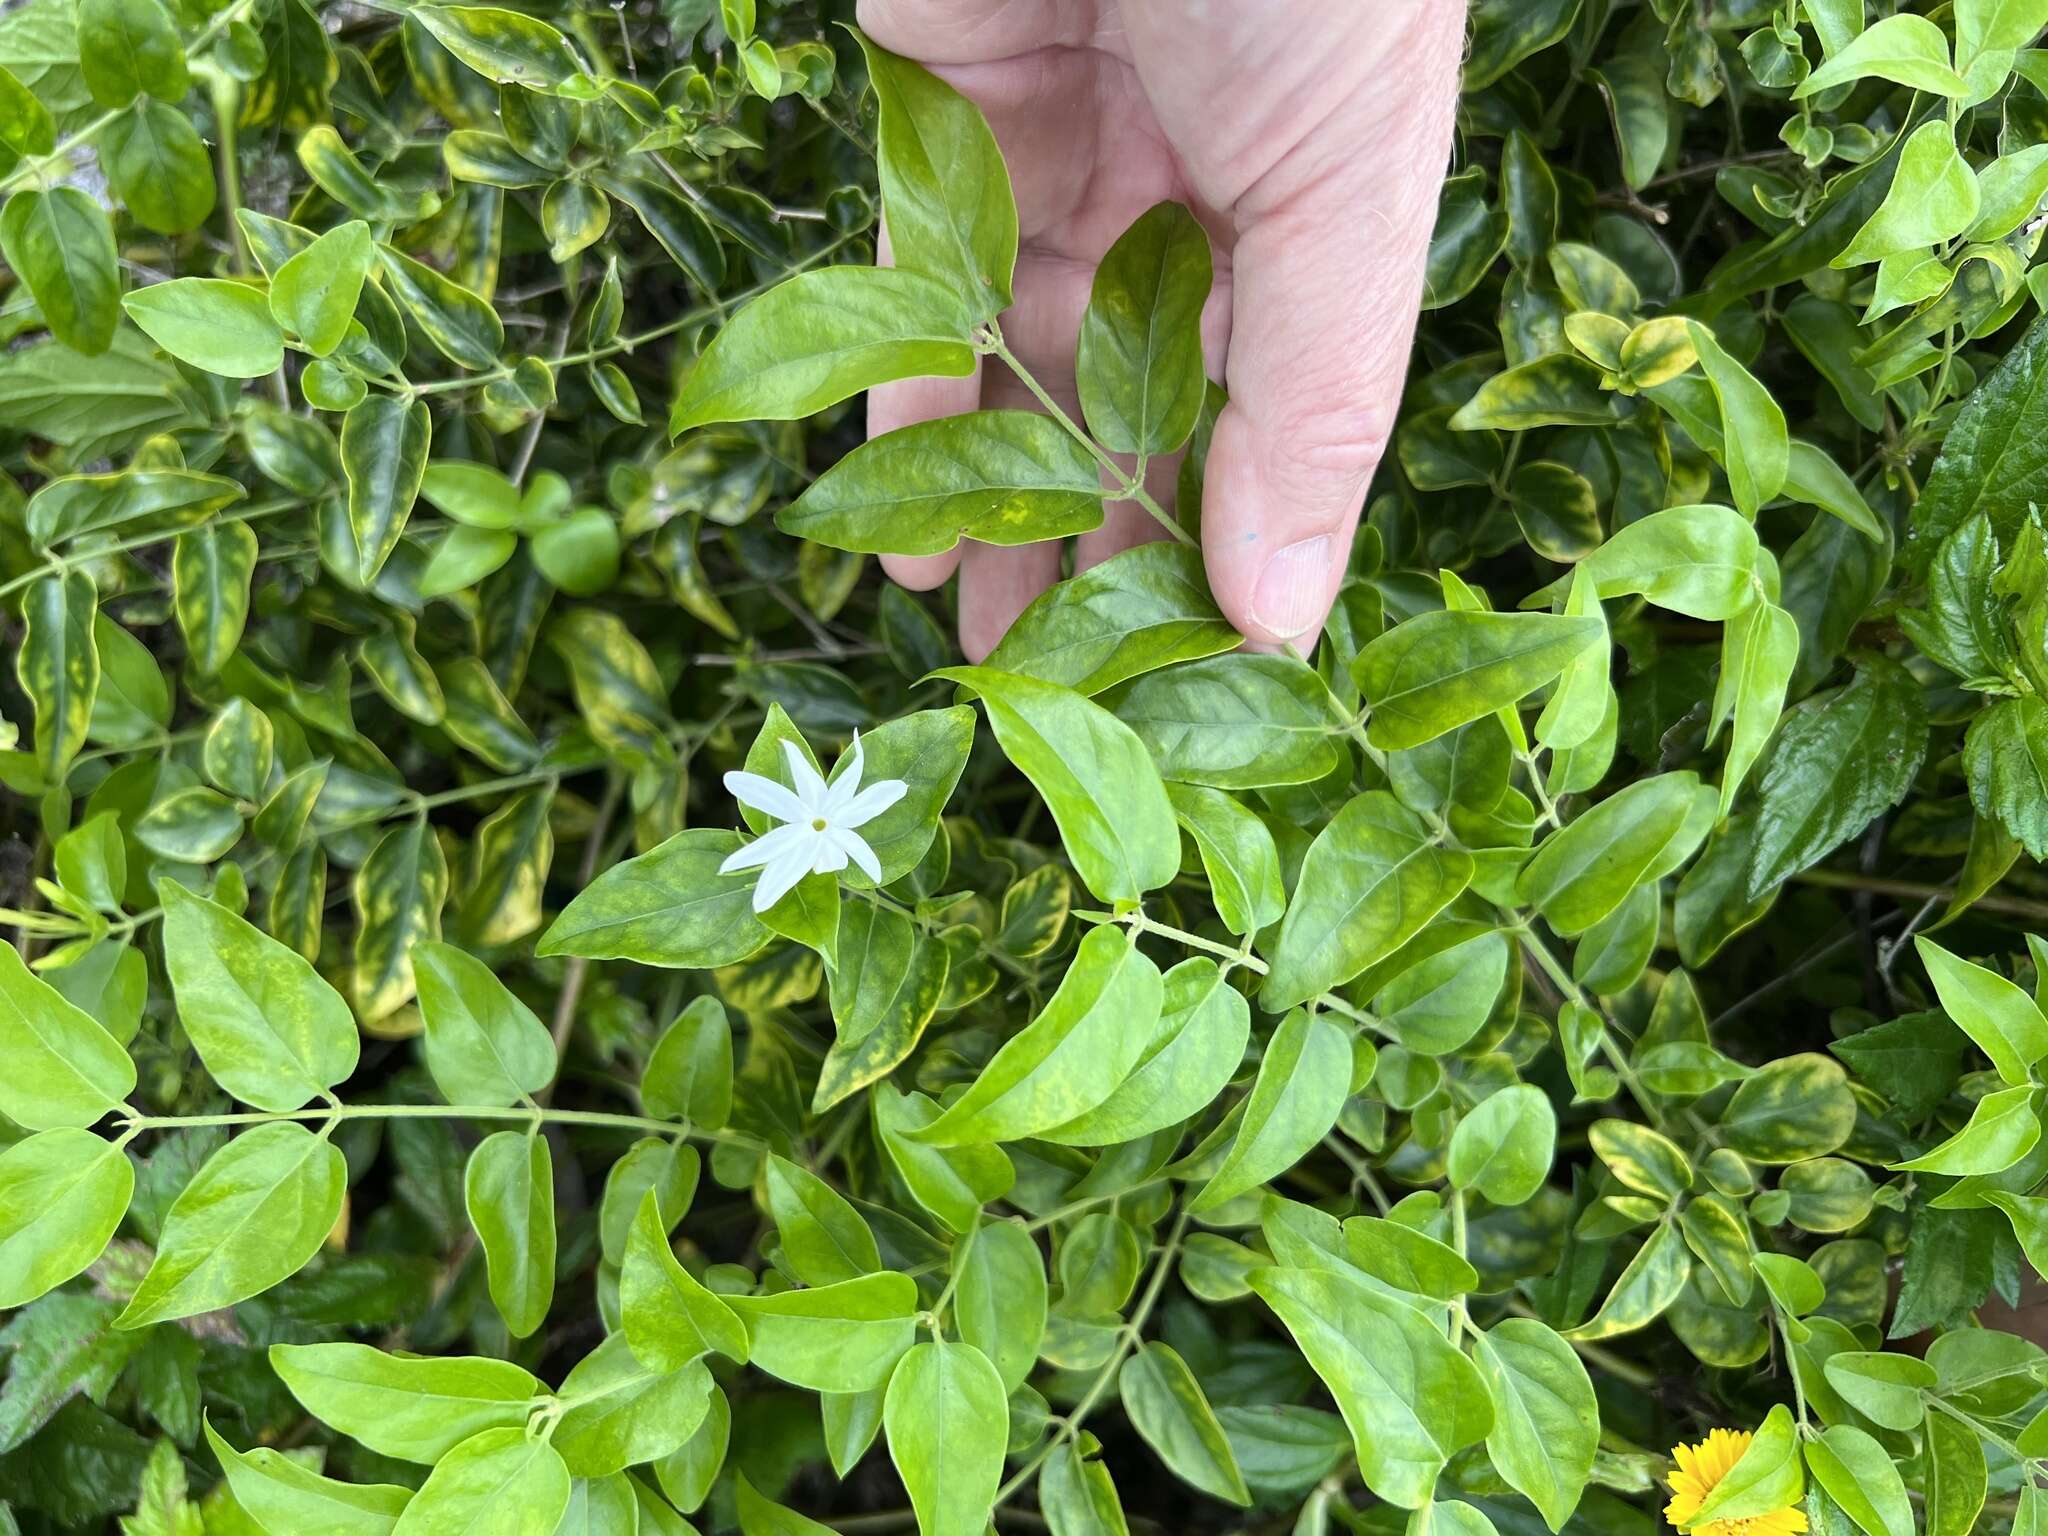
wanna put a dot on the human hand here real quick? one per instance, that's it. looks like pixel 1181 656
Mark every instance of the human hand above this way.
pixel 1310 137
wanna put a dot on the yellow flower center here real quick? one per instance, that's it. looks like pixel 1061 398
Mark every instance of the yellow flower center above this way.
pixel 1700 1470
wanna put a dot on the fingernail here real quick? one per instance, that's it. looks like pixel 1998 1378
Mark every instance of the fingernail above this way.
pixel 1289 595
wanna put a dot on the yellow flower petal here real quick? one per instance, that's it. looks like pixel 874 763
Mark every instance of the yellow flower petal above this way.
pixel 1699 1469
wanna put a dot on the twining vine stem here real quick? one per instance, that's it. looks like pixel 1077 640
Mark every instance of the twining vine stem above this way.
pixel 529 1114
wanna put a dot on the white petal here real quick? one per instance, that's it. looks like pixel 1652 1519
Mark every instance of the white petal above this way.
pixel 781 876
pixel 766 848
pixel 854 845
pixel 764 794
pixel 810 789
pixel 831 858
pixel 845 781
pixel 870 803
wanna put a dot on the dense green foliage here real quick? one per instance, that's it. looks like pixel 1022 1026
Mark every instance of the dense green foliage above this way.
pixel 1596 996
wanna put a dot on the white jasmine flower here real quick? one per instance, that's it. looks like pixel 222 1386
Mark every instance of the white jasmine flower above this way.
pixel 817 835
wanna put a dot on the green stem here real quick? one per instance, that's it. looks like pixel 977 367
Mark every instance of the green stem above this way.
pixel 1127 1340
pixel 1138 922
pixel 668 327
pixel 416 802
pixel 60 564
pixel 337 1112
pixel 1129 488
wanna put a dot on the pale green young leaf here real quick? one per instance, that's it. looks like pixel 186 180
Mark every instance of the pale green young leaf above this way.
pixel 270 1029
pixel 502 1480
pixel 668 1317
pixel 997 477
pixel 508 1189
pixel 822 336
pixel 1071 1057
pixel 1302 1082
pixel 281 1494
pixel 1502 1149
pixel 314 293
pixel 63 1068
pixel 832 1338
pixel 62 1194
pixel 947 1421
pixel 1545 1419
pixel 1170 1411
pixel 1908 49
pixel 2008 1026
pixel 415 1408
pixel 253 1215
pixel 1099 782
pixel 1439 670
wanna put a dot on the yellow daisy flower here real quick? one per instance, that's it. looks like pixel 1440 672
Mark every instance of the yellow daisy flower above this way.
pixel 1700 1468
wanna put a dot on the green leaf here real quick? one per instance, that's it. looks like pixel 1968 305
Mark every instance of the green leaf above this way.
pixel 1071 1057
pixel 1239 857
pixel 1933 198
pixel 1503 1148
pixel 1439 670
pixel 384 443
pixel 508 1190
pixel 2007 1024
pixel 820 337
pixel 1240 721
pixel 314 294
pixel 1137 611
pixel 63 1069
pixel 463 326
pixel 1170 1411
pixel 1789 1110
pixel 1436 1005
pixel 211 569
pixel 832 1338
pixel 281 1494
pixel 1139 363
pixel 1909 50
pixel 509 47
pixel 59 665
pixel 764 1517
pixel 62 1194
pixel 1203 1027
pixel 2002 1129
pixel 271 1031
pixel 1696 560
pixel 59 242
pixel 223 327
pixel 1859 1475
pixel 669 906
pixel 26 127
pixel 689 1072
pixel 1000 1306
pixel 1840 759
pixel 1410 1398
pixel 483 1045
pixel 1755 447
pixel 1640 833
pixel 621 1412
pixel 1644 1290
pixel 414 1407
pixel 1759 654
pixel 1545 1420
pixel 252 1216
pixel 668 1168
pixel 668 1317
pixel 128 48
pixel 1766 1477
pixel 1370 881
pixel 951 212
pixel 824 1239
pixel 1096 777
pixel 1991 459
pixel 502 1480
pixel 2005 756
pixel 953 1183
pixel 399 892
pixel 997 477
pixel 948 1422
pixel 1302 1082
